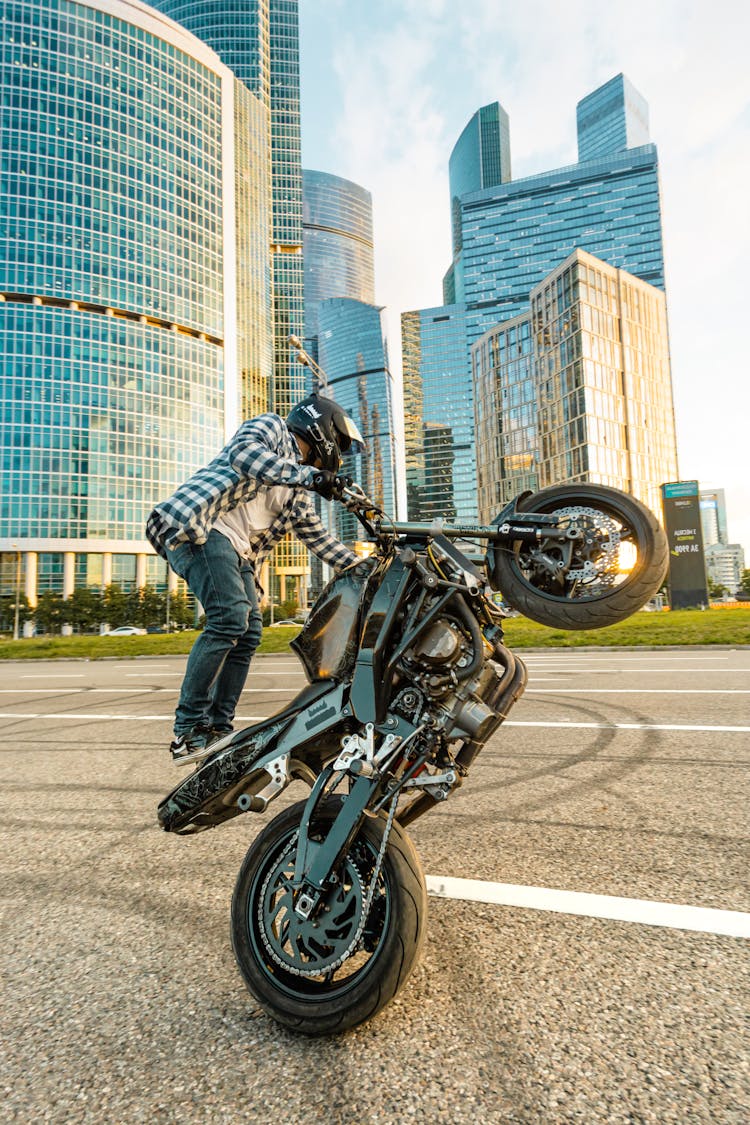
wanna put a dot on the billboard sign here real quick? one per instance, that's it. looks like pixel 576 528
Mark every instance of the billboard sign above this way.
pixel 682 523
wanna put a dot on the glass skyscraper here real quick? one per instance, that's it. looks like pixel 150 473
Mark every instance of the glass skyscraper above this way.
pixel 344 332
pixel 438 416
pixel 515 233
pixel 259 41
pixel 353 355
pixel 480 159
pixel 338 246
pixel 577 389
pixel 613 118
pixel 135 295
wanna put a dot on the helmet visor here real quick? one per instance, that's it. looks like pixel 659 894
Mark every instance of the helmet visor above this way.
pixel 350 439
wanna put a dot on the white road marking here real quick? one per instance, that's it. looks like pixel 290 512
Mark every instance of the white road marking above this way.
pixel 125 691
pixel 83 691
pixel 650 669
pixel 622 726
pixel 99 717
pixel 635 691
pixel 52 675
pixel 702 919
pixel 508 723
pixel 163 675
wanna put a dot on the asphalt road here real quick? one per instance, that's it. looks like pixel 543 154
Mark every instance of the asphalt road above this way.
pixel 620 774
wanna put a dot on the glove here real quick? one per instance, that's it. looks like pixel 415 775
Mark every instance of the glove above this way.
pixel 330 485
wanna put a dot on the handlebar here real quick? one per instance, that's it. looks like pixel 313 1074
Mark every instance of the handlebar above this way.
pixel 355 499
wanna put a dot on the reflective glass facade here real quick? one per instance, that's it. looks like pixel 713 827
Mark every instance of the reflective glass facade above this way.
pixel 611 119
pixel 132 247
pixel 480 159
pixel 353 355
pixel 578 390
pixel 338 246
pixel 259 41
pixel 515 233
pixel 438 415
pixel 506 415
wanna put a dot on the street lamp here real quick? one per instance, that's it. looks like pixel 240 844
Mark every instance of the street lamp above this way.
pixel 18 592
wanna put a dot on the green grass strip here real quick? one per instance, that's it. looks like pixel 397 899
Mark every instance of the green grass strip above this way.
pixel 683 627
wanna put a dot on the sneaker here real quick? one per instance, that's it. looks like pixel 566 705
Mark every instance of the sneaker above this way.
pixel 192 746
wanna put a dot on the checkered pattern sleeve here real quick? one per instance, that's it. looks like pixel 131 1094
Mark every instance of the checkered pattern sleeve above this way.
pixel 308 526
pixel 257 451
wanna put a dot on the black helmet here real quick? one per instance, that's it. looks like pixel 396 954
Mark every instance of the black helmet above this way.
pixel 327 429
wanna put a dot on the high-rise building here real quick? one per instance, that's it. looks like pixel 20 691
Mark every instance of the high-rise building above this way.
pixel 514 233
pixel 713 507
pixel 259 41
pixel 354 356
pixel 438 416
pixel 578 389
pixel 135 295
pixel 480 159
pixel 725 563
pixel 338 245
pixel 344 332
pixel 612 119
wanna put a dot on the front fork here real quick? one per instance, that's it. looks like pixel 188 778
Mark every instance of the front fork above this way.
pixel 316 862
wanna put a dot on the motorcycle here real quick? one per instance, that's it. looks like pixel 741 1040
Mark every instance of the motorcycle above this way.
pixel 408 677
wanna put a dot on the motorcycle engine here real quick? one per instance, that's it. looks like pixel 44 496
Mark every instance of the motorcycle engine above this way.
pixel 442 647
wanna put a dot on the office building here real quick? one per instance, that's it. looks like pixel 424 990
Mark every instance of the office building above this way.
pixel 259 41
pixel 713 507
pixel 438 416
pixel 577 389
pixel 480 159
pixel 725 563
pixel 514 233
pixel 337 244
pixel 135 292
pixel 612 119
pixel 353 354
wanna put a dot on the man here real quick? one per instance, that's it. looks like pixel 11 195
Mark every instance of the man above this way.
pixel 216 530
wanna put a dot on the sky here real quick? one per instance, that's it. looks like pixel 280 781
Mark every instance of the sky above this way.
pixel 387 88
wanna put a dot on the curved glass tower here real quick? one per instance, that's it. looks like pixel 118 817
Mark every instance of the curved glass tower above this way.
pixel 354 356
pixel 259 41
pixel 338 246
pixel 135 292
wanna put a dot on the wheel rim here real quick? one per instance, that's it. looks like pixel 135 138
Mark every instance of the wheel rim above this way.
pixel 302 957
pixel 584 570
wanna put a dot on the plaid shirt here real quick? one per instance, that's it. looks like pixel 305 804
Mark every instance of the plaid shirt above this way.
pixel 262 452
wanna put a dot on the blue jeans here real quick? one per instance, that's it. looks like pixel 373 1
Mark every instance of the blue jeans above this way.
pixel 220 658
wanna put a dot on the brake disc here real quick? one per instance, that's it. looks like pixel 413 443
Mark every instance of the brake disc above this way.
pixel 607 550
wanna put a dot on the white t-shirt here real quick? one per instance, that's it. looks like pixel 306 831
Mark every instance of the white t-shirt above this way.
pixel 252 516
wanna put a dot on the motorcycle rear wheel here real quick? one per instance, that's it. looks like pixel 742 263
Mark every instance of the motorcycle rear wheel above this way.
pixel 289 966
pixel 605 597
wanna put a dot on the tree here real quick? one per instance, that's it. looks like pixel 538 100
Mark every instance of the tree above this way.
pixel 50 613
pixel 114 606
pixel 716 590
pixel 180 613
pixel 84 608
pixel 8 612
pixel 745 583
pixel 146 607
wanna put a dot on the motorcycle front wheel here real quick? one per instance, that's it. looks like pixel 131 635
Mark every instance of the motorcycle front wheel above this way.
pixel 332 972
pixel 615 568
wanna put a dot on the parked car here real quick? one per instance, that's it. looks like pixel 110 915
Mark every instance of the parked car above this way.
pixel 126 631
pixel 286 621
